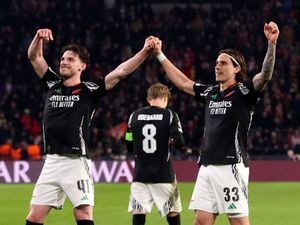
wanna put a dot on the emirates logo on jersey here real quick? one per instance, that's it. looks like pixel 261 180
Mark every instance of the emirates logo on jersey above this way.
pixel 219 108
pixel 63 101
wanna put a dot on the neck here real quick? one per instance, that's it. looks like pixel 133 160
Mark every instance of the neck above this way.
pixel 158 103
pixel 225 85
pixel 71 81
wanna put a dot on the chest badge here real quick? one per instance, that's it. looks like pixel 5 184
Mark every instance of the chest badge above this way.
pixel 58 91
pixel 214 97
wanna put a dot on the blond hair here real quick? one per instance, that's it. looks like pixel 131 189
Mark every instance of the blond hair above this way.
pixel 158 90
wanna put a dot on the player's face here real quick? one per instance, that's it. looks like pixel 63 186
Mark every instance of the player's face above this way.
pixel 70 64
pixel 225 70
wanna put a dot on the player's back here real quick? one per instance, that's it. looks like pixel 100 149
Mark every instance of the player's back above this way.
pixel 151 131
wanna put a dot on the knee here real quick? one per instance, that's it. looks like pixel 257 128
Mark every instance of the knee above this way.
pixel 83 212
pixel 37 214
pixel 198 221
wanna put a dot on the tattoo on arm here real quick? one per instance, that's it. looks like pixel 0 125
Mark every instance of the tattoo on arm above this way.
pixel 261 79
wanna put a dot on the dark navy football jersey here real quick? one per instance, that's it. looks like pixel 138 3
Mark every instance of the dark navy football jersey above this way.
pixel 68 113
pixel 151 130
pixel 228 116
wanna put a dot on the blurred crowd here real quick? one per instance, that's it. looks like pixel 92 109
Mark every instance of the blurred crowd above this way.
pixel 192 34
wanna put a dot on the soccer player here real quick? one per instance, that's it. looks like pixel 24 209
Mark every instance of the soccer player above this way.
pixel 150 132
pixel 69 108
pixel 222 182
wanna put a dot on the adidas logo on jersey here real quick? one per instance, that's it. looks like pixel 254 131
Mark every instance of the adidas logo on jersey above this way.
pixel 85 198
pixel 232 206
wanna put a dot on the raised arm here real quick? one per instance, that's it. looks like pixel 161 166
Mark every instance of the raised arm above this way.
pixel 180 80
pixel 129 66
pixel 261 79
pixel 35 51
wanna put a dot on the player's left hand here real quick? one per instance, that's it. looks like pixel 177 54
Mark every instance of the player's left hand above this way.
pixel 149 44
pixel 271 31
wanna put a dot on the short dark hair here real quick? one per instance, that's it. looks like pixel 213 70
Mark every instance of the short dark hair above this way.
pixel 158 90
pixel 238 56
pixel 82 52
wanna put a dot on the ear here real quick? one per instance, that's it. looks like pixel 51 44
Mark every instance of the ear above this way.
pixel 148 100
pixel 237 69
pixel 83 66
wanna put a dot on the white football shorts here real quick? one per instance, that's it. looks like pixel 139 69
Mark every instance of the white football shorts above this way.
pixel 166 197
pixel 222 189
pixel 63 176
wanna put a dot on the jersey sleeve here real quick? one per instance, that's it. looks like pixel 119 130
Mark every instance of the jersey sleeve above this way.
pixel 129 136
pixel 50 78
pixel 102 90
pixel 248 92
pixel 176 132
pixel 97 88
pixel 201 91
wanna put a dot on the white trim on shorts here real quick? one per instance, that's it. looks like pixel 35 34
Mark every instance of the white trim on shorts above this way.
pixel 166 197
pixel 62 176
pixel 222 189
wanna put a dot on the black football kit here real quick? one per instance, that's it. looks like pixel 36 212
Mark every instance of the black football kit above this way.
pixel 151 130
pixel 228 116
pixel 68 113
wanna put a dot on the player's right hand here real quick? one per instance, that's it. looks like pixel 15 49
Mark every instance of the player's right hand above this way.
pixel 45 34
pixel 157 46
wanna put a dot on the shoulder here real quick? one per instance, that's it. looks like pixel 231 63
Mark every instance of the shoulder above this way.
pixel 245 87
pixel 51 78
pixel 92 86
pixel 202 90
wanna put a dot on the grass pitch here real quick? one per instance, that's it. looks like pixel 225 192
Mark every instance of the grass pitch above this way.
pixel 270 203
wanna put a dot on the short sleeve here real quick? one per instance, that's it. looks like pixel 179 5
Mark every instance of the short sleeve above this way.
pixel 97 88
pixel 201 91
pixel 50 78
pixel 247 90
pixel 176 131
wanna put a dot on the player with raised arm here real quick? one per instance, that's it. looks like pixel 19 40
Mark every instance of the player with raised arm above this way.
pixel 150 132
pixel 222 182
pixel 69 108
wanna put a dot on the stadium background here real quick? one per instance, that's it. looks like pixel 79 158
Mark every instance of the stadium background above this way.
pixel 113 31
pixel 192 33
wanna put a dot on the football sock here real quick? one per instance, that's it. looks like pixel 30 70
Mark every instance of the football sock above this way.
pixel 32 223
pixel 138 219
pixel 175 220
pixel 85 222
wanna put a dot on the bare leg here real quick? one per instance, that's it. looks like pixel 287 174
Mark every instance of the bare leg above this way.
pixel 204 218
pixel 239 221
pixel 83 212
pixel 38 213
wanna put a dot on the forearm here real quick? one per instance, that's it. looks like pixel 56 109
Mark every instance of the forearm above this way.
pixel 133 63
pixel 35 49
pixel 125 68
pixel 260 80
pixel 181 81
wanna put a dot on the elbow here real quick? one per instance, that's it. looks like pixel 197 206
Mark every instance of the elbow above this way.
pixel 31 56
pixel 34 57
pixel 268 79
pixel 122 72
